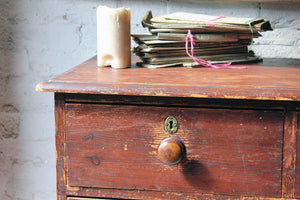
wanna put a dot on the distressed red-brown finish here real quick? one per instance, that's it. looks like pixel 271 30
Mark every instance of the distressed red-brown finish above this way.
pixel 233 152
pixel 297 181
pixel 60 146
pixel 78 198
pixel 289 155
pixel 240 130
pixel 267 81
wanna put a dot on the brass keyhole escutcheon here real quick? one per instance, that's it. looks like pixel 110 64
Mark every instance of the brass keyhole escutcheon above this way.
pixel 171 124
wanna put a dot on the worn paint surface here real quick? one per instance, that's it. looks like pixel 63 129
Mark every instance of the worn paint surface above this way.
pixel 223 157
pixel 184 82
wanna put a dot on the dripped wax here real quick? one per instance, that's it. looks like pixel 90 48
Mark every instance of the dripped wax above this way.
pixel 113 37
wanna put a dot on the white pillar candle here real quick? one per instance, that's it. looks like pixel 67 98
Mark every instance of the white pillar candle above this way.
pixel 113 37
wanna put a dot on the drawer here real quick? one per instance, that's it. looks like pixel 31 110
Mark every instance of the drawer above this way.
pixel 228 151
pixel 78 198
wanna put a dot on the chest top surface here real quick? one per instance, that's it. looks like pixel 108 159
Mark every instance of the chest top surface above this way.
pixel 273 79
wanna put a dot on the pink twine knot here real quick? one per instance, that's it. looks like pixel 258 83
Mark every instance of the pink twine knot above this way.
pixel 211 22
pixel 203 62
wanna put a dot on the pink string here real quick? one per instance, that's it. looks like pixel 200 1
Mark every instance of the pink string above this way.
pixel 203 62
pixel 211 22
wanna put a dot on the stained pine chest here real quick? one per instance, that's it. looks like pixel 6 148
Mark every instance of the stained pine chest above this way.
pixel 178 133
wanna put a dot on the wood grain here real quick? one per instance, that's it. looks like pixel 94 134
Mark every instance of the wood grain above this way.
pixel 263 81
pixel 297 171
pixel 240 129
pixel 233 152
pixel 60 146
pixel 289 155
pixel 78 198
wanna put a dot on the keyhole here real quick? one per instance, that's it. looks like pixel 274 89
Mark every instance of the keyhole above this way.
pixel 171 124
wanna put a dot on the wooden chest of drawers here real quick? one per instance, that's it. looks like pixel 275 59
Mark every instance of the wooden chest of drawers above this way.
pixel 177 133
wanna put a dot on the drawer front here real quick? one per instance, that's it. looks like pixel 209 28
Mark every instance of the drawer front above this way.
pixel 78 198
pixel 233 152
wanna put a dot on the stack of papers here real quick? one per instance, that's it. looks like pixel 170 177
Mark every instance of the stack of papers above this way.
pixel 217 39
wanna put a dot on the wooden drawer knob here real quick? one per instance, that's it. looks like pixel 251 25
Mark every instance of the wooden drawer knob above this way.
pixel 171 151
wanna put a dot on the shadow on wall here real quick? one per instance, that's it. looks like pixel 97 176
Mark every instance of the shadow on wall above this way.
pixel 9 114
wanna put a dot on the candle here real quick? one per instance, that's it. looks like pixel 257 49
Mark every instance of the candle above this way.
pixel 113 37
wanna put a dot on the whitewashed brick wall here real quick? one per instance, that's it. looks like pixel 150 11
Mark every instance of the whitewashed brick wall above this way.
pixel 43 38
